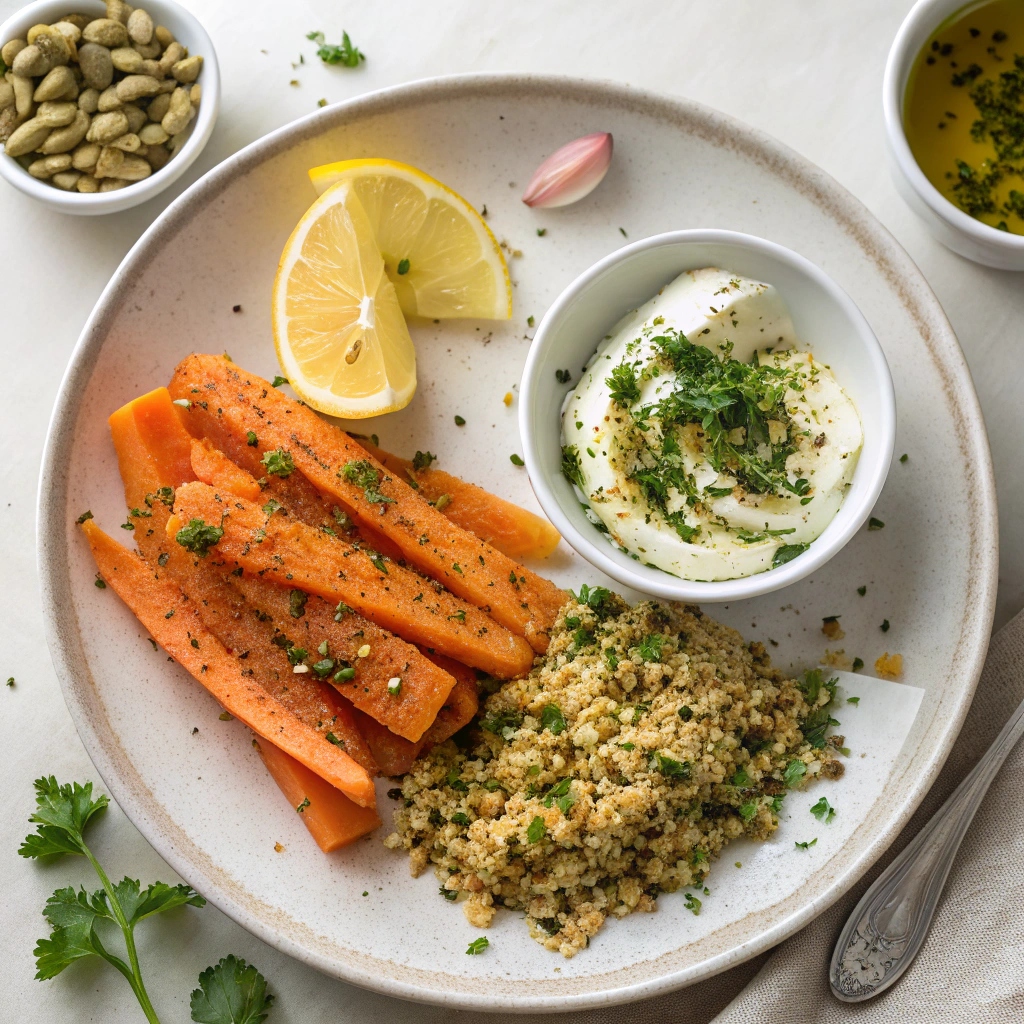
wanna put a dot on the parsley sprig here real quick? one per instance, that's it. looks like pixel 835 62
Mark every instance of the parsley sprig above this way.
pixel 346 54
pixel 229 993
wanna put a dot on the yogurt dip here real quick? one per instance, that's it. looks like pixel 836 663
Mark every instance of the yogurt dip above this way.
pixel 704 442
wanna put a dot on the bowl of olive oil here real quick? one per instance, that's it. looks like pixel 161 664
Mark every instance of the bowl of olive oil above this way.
pixel 953 100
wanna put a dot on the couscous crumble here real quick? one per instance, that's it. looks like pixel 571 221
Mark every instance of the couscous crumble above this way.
pixel 645 739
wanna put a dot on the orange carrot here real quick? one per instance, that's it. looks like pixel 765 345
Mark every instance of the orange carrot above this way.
pixel 293 555
pixel 505 526
pixel 310 622
pixel 213 468
pixel 175 624
pixel 516 597
pixel 332 819
pixel 162 432
pixel 393 754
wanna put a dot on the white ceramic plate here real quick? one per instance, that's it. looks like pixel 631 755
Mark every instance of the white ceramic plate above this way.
pixel 203 800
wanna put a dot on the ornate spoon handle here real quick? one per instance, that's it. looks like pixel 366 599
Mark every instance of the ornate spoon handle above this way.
pixel 889 925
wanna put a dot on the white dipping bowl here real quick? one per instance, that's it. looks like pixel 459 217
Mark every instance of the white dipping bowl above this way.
pixel 827 323
pixel 946 221
pixel 189 32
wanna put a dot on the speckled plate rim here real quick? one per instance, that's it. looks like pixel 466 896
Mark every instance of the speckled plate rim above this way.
pixel 79 688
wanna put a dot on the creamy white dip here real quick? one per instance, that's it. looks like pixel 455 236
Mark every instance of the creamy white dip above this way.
pixel 703 439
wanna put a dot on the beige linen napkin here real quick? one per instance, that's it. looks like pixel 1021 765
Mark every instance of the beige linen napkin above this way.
pixel 971 968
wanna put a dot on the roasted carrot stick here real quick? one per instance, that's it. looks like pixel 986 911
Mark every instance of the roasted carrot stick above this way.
pixel 505 526
pixel 393 682
pixel 162 432
pixel 291 433
pixel 332 819
pixel 216 469
pixel 393 754
pixel 293 555
pixel 174 623
pixel 221 607
pixel 461 705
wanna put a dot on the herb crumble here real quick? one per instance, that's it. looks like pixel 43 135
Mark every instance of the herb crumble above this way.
pixel 643 741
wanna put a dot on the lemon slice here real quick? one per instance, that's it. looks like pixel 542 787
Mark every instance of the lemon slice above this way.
pixel 339 332
pixel 438 252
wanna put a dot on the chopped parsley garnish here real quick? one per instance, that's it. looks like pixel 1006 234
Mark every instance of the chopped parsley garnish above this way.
pixel 571 468
pixel 278 381
pixel 278 463
pixel 346 54
pixel 904 457
pixel 669 766
pixel 692 903
pixel 251 439
pixel 858 663
pixel 875 524
pixel 451 895
pixel 823 811
pixel 460 818
pixel 516 460
pixel 478 946
pixel 301 807
pixel 552 719
pixel 84 517
pixel 749 810
pixel 787 553
pixel 502 723
pixel 806 846
pixel 536 830
pixel 686 713
pixel 563 376
pixel 560 795
pixel 649 648
pixel 459 421
pixel 403 267
pixel 422 460
pixel 331 738
pixel 794 772
pixel 862 591
pixel 198 538
pixel 99 582
pixel 885 626
pixel 272 506
pixel 853 700
pixel 365 475
pixel 297 603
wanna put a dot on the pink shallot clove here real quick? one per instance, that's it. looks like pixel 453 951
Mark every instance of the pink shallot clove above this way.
pixel 571 172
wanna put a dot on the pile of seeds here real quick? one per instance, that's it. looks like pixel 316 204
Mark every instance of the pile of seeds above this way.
pixel 95 104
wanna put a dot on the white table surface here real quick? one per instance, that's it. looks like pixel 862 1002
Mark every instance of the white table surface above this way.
pixel 807 72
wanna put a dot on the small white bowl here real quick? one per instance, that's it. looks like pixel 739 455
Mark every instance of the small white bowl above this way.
pixel 947 222
pixel 189 32
pixel 826 321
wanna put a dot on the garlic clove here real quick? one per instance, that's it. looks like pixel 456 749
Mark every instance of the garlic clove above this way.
pixel 571 172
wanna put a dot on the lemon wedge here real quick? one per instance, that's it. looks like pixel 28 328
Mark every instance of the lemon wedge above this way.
pixel 438 252
pixel 339 332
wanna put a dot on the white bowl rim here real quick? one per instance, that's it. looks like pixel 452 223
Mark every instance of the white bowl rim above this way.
pixel 138 192
pixel 51 531
pixel 596 549
pixel 900 54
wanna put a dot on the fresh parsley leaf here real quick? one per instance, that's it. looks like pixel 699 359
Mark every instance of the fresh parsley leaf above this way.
pixel 749 810
pixel 84 517
pixel 278 381
pixel 686 713
pixel 875 524
pixel 251 439
pixel 297 603
pixel 501 723
pixel 61 814
pixel 536 830
pixel 232 992
pixel 422 460
pixel 403 267
pixel 563 376
pixel 692 903
pixel 347 54
pixel 478 946
pixel 516 460
pixel 823 811
pixel 560 795
pixel 806 846
pixel 552 719
pixel 363 474
pixel 853 700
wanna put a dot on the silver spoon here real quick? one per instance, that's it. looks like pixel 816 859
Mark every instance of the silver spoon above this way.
pixel 889 925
